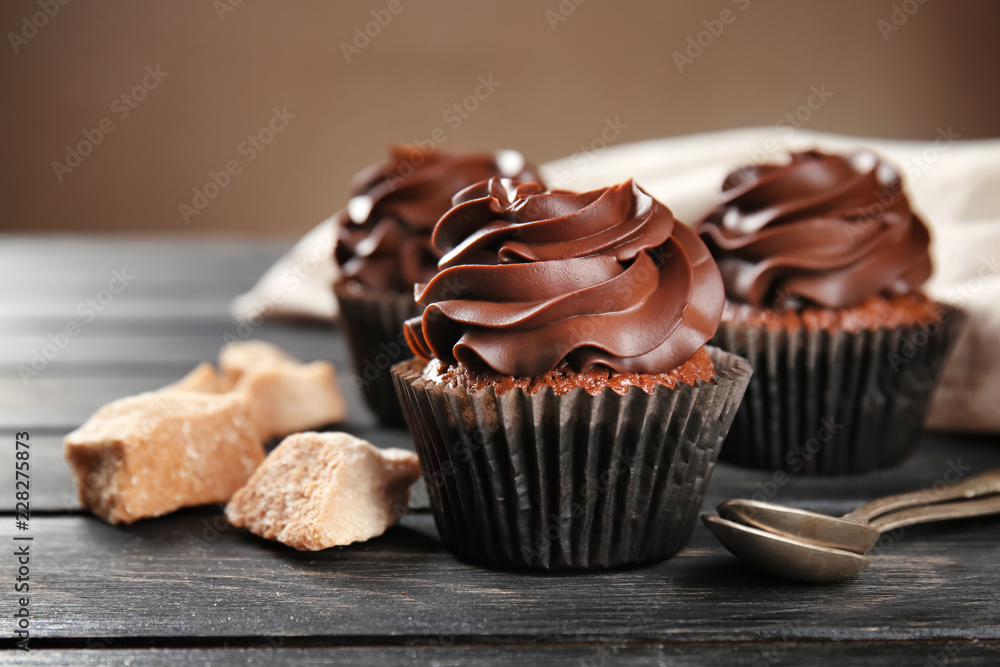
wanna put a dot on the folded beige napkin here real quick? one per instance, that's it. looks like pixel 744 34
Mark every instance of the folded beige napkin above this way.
pixel 954 184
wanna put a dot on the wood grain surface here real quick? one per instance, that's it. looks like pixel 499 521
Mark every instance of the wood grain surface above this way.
pixel 575 655
pixel 190 589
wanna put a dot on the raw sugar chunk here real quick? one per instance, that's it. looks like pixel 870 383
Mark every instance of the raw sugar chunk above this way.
pixel 148 455
pixel 285 395
pixel 319 490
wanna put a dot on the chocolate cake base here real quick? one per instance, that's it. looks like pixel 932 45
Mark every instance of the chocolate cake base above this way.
pixel 564 379
pixel 573 481
pixel 373 325
pixel 831 402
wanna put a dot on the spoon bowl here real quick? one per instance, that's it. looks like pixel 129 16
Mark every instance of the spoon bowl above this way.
pixel 785 556
pixel 802 545
pixel 802 525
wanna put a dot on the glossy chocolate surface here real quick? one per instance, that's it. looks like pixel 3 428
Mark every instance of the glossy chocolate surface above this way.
pixel 826 230
pixel 531 279
pixel 384 236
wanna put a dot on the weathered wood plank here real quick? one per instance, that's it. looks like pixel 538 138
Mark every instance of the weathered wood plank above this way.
pixel 179 326
pixel 190 580
pixel 279 652
pixel 140 284
pixel 52 489
pixel 190 575
pixel 73 384
pixel 61 404
pixel 53 279
pixel 70 309
pixel 51 259
pixel 89 353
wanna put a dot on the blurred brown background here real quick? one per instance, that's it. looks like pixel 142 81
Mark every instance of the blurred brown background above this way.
pixel 894 68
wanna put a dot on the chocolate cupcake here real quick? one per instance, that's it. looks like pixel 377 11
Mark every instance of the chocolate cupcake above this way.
pixel 565 407
pixel 383 249
pixel 823 261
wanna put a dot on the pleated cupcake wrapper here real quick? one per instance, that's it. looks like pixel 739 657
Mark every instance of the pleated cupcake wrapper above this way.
pixel 373 324
pixel 829 403
pixel 570 482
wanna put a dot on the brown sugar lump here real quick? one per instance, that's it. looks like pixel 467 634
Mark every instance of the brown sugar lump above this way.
pixel 285 395
pixel 237 358
pixel 148 455
pixel 319 490
pixel 204 378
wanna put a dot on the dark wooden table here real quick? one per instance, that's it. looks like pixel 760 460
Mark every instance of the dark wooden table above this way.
pixel 188 589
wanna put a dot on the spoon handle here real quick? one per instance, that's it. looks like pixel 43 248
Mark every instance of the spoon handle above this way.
pixel 940 512
pixel 981 485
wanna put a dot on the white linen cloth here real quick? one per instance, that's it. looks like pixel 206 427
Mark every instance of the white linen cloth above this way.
pixel 954 185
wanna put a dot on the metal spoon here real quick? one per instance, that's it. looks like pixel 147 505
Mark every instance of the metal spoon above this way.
pixel 852 531
pixel 806 561
pixel 783 556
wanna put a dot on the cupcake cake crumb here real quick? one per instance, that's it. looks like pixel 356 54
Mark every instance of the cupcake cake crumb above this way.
pixel 874 312
pixel 564 379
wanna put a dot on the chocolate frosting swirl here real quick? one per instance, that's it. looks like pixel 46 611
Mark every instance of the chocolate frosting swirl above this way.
pixel 384 236
pixel 827 230
pixel 531 279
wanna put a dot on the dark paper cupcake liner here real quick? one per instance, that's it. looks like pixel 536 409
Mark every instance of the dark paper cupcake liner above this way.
pixel 830 403
pixel 570 482
pixel 373 325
